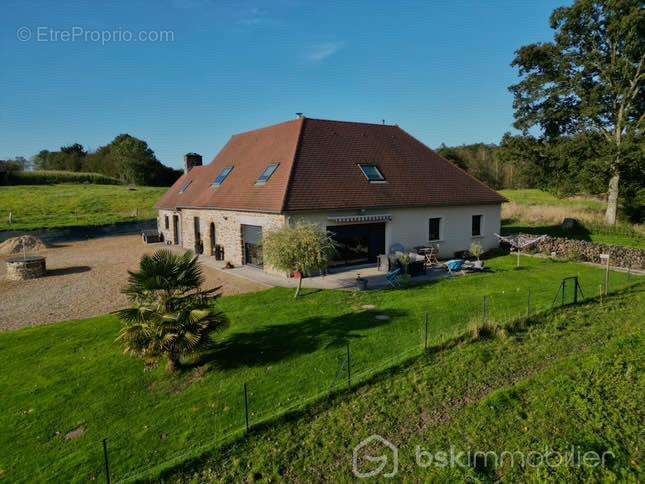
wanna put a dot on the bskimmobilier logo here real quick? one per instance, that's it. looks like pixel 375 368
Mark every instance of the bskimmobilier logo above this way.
pixel 375 450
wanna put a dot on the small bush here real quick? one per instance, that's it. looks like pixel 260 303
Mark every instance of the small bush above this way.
pixel 45 177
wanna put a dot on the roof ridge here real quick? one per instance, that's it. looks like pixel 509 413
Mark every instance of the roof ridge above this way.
pixel 353 122
pixel 294 157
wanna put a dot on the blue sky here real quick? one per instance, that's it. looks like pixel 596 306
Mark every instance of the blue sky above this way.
pixel 438 69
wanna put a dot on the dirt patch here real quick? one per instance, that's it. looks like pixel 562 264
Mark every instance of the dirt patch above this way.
pixel 84 279
pixel 25 243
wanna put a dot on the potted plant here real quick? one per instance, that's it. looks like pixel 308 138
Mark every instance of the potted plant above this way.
pixel 404 260
pixel 476 250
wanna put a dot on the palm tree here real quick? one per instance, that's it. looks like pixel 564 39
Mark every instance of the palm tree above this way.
pixel 171 316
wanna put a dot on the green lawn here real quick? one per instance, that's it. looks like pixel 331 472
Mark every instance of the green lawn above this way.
pixel 573 378
pixel 68 205
pixel 537 212
pixel 69 376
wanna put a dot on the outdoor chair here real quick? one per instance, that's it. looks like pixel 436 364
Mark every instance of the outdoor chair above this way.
pixel 393 278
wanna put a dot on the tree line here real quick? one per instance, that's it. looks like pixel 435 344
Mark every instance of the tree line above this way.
pixel 126 158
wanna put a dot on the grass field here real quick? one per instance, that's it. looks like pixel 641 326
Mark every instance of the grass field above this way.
pixel 538 212
pixel 57 206
pixel 569 379
pixel 72 377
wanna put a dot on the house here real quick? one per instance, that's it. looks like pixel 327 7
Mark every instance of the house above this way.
pixel 372 186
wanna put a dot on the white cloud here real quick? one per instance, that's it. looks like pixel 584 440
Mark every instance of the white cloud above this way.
pixel 319 52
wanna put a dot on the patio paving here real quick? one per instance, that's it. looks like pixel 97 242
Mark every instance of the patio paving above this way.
pixel 344 278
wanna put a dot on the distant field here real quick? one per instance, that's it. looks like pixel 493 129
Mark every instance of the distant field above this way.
pixel 538 212
pixel 58 206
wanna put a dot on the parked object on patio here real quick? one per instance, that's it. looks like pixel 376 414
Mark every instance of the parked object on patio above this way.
pixel 383 263
pixel 430 254
pixel 474 266
pixel 218 252
pixel 393 278
pixel 22 244
pixel 151 236
pixel 409 263
pixel 361 283
pixel 455 266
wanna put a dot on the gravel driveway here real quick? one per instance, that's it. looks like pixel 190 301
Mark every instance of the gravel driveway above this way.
pixel 84 279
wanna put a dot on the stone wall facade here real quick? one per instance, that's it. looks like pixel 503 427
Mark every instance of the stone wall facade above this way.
pixel 583 250
pixel 226 230
pixel 164 224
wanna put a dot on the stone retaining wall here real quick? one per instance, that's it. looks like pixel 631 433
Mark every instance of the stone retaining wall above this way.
pixel 590 252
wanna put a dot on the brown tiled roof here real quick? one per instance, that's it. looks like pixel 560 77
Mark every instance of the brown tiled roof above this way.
pixel 319 170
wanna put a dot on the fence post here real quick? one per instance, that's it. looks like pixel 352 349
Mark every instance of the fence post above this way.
pixel 485 308
pixel 426 333
pixel 528 304
pixel 349 369
pixel 246 407
pixel 106 461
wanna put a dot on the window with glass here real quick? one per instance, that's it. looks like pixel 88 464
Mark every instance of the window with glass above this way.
pixel 476 230
pixel 222 176
pixel 434 229
pixel 186 186
pixel 166 222
pixel 372 173
pixel 267 173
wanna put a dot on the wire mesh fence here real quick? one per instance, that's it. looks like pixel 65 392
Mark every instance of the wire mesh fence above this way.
pixel 164 431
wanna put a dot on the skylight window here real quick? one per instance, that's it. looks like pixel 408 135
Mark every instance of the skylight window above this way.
pixel 266 174
pixel 372 173
pixel 186 186
pixel 222 176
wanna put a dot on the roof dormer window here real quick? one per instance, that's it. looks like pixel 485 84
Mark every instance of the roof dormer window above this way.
pixel 372 173
pixel 186 186
pixel 266 174
pixel 222 176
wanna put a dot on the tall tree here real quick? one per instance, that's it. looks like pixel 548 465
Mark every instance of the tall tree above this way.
pixel 589 79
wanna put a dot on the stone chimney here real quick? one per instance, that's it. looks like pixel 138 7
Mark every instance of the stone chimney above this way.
pixel 191 160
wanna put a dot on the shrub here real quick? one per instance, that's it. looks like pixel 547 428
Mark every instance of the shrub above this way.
pixel 303 248
pixel 479 330
pixel 476 250
pixel 171 316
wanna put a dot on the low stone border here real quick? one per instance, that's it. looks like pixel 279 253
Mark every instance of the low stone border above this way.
pixel 583 250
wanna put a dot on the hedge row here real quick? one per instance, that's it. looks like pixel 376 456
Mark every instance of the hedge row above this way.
pixel 54 177
pixel 583 250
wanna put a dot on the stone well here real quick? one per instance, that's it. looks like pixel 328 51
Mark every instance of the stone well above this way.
pixel 21 268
